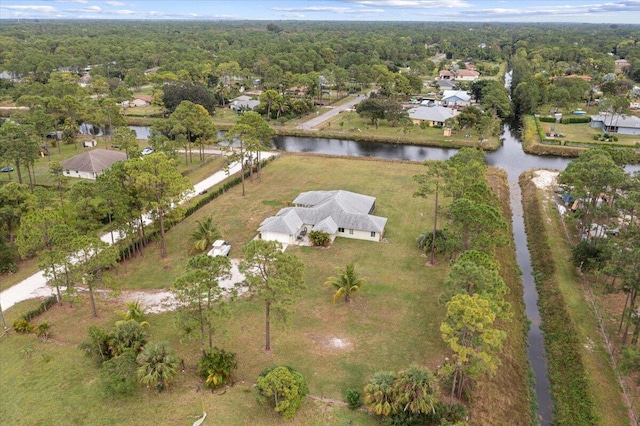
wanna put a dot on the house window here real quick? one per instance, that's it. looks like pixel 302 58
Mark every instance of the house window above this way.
pixel 340 229
pixel 350 231
pixel 373 234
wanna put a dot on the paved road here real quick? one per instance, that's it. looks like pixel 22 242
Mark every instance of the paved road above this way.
pixel 36 284
pixel 317 121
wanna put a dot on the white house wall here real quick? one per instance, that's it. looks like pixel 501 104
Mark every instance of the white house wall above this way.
pixel 81 175
pixel 358 235
pixel 276 236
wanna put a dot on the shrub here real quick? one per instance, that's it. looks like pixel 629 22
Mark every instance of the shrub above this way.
pixel 283 388
pixel 319 238
pixel 23 326
pixel 97 344
pixel 217 367
pixel 40 309
pixel 547 119
pixel 424 241
pixel 118 375
pixel 588 256
pixel 354 398
pixel 42 330
pixel 127 335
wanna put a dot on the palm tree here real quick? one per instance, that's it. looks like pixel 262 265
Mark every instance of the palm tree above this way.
pixel 204 235
pixel 346 282
pixel 158 365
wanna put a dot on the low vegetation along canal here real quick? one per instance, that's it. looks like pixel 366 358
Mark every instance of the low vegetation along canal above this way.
pixel 509 157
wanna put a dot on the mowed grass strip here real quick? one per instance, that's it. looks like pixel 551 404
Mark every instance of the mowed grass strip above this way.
pixel 608 403
pixel 392 323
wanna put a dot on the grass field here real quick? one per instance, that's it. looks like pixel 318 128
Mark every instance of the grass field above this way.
pixel 392 323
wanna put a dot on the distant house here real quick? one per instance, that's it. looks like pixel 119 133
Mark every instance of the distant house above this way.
pixel 432 115
pixel 243 103
pixel 151 70
pixel 467 75
pixel 447 84
pixel 620 65
pixel 338 213
pixel 446 75
pixel 455 98
pixel 134 103
pixel 617 123
pixel 91 164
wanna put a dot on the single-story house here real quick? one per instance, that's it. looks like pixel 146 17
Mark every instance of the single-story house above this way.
pixel 432 115
pixel 243 103
pixel 91 164
pixel 338 213
pixel 467 75
pixel 134 103
pixel 455 98
pixel 617 123
pixel 447 84
pixel 446 75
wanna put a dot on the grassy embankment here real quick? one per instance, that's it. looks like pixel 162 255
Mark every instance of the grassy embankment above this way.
pixel 392 323
pixel 509 388
pixel 583 385
pixel 579 134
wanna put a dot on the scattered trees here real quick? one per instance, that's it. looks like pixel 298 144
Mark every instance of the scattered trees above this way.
pixel 200 297
pixel 275 277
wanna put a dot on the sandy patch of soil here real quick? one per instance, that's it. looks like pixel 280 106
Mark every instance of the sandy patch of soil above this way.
pixel 545 179
pixel 330 343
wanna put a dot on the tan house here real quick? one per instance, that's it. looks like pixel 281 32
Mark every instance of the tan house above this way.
pixel 467 75
pixel 91 164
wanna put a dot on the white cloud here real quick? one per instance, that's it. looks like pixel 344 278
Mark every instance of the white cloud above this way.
pixel 413 4
pixel 124 12
pixel 326 9
pixel 72 1
pixel 114 3
pixel 32 8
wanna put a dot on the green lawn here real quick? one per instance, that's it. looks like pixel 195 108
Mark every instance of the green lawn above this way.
pixel 583 132
pixel 392 323
pixel 603 388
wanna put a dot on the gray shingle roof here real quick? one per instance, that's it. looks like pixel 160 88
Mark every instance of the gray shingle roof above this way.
pixel 629 121
pixel 434 113
pixel 286 222
pixel 94 161
pixel 326 211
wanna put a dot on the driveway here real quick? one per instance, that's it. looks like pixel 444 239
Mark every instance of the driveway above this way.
pixel 36 284
pixel 321 118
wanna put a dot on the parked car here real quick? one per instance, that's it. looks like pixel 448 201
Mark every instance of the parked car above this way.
pixel 220 248
pixel 6 169
pixel 148 150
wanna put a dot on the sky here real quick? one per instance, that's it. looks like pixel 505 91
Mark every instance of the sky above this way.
pixel 587 11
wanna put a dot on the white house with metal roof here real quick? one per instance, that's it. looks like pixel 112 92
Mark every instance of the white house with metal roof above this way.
pixel 455 98
pixel 432 115
pixel 338 213
pixel 617 123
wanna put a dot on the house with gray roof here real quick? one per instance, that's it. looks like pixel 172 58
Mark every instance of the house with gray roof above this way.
pixel 338 213
pixel 617 123
pixel 244 103
pixel 455 98
pixel 432 115
pixel 91 164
